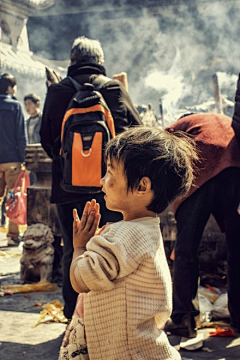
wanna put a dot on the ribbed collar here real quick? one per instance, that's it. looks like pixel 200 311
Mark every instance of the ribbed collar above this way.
pixel 85 68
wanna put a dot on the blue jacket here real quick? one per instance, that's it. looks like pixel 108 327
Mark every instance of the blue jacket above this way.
pixel 12 130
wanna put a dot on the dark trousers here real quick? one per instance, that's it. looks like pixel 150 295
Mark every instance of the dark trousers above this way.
pixel 65 215
pixel 3 211
pixel 219 196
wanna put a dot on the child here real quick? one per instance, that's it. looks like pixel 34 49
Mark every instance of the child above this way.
pixel 33 123
pixel 122 269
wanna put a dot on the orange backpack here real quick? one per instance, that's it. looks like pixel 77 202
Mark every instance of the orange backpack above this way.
pixel 86 127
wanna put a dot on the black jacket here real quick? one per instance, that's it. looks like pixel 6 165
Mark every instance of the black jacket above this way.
pixel 236 114
pixel 58 96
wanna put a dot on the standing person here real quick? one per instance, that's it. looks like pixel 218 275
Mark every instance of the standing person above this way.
pixel 12 143
pixel 122 269
pixel 86 65
pixel 216 190
pixel 33 123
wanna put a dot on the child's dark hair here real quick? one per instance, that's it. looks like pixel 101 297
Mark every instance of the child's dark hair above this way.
pixel 33 97
pixel 166 158
pixel 6 80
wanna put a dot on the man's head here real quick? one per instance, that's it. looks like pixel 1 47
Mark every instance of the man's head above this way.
pixel 32 104
pixel 8 84
pixel 86 50
pixel 165 158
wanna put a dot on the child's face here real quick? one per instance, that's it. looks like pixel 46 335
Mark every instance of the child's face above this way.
pixel 31 108
pixel 132 204
pixel 114 185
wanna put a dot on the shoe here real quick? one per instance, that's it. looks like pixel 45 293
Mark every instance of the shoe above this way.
pixel 187 328
pixel 235 327
pixel 14 242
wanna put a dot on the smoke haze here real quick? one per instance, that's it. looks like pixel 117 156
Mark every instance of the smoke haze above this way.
pixel 168 52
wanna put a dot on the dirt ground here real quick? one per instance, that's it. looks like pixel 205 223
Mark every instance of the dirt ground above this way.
pixel 19 312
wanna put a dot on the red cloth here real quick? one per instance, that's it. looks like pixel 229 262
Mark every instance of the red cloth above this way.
pixel 218 146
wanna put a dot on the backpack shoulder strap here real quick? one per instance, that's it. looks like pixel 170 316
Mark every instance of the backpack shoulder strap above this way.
pixel 99 81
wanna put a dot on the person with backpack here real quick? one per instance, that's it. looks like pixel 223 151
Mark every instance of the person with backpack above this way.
pixel 86 69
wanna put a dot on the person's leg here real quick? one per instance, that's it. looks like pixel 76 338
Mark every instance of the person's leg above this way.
pixel 12 171
pixel 2 181
pixel 57 261
pixel 229 190
pixel 13 232
pixel 2 194
pixel 3 212
pixel 191 216
pixel 65 217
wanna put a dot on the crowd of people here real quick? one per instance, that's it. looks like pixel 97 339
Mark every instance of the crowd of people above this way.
pixel 116 280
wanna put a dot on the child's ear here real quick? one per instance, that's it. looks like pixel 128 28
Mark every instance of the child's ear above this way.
pixel 144 186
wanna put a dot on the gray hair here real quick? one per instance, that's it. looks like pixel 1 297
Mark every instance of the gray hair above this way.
pixel 86 50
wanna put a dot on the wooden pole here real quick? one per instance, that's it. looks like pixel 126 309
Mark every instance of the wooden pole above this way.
pixel 161 113
pixel 217 94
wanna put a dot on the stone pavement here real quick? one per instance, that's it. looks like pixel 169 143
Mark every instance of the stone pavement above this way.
pixel 19 340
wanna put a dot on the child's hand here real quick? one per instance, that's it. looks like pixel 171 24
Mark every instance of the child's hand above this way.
pixel 86 228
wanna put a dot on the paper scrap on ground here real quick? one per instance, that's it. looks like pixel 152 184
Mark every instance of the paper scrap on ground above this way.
pixel 52 312
pixel 25 288
pixel 192 344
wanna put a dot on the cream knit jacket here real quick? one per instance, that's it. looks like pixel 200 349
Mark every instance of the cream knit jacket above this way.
pixel 128 298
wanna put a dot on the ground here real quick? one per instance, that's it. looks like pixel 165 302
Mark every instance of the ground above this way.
pixel 19 312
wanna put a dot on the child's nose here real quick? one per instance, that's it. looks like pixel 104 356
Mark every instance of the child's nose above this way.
pixel 102 180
